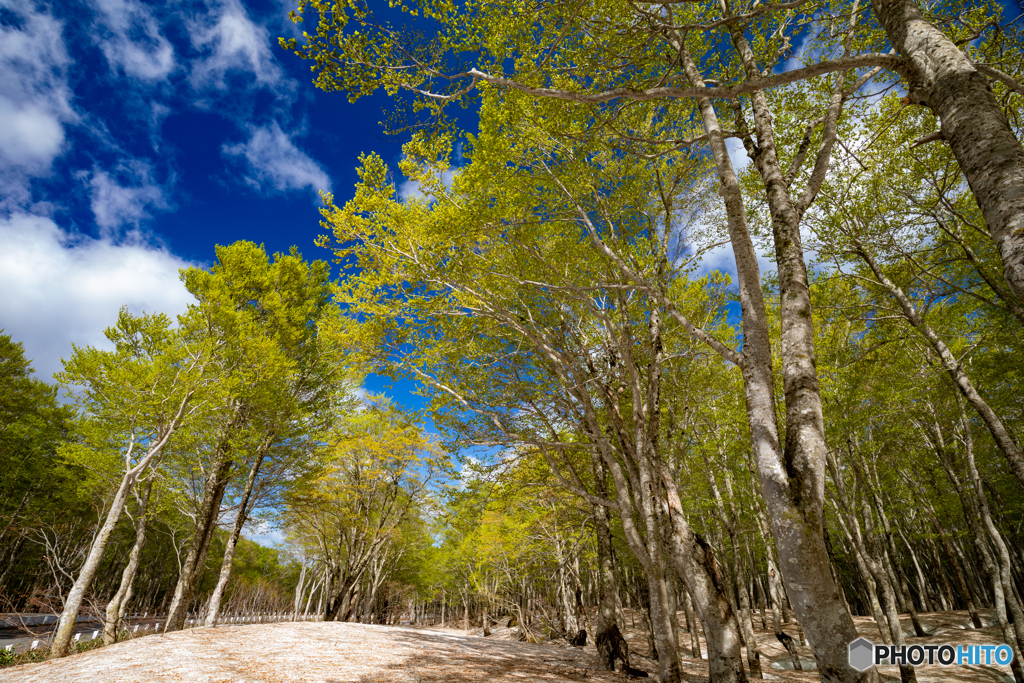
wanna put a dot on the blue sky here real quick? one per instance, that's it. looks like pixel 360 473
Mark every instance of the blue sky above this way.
pixel 136 136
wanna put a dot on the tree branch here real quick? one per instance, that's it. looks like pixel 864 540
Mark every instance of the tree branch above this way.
pixel 891 62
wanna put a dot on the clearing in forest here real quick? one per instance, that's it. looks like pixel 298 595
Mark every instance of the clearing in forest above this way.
pixel 317 651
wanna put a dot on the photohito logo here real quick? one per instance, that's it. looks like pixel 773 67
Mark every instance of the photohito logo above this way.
pixel 864 653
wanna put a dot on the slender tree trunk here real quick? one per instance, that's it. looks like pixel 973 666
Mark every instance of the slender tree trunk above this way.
pixel 213 606
pixel 1004 578
pixel 860 556
pixel 299 588
pixel 922 586
pixel 950 550
pixel 835 571
pixel 755 581
pixel 942 78
pixel 875 561
pixel 309 600
pixel 954 368
pixel 691 625
pixel 728 516
pixel 206 523
pixel 947 599
pixel 69 617
pixel 889 550
pixel 117 605
pixel 779 615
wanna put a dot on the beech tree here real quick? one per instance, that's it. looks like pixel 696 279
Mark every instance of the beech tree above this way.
pixel 270 321
pixel 373 477
pixel 136 397
pixel 599 60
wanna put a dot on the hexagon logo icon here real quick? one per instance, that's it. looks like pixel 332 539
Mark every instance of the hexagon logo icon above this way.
pixel 860 654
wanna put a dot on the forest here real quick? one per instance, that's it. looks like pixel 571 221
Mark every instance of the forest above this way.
pixel 717 309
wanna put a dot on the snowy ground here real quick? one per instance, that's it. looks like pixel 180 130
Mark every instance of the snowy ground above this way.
pixel 356 653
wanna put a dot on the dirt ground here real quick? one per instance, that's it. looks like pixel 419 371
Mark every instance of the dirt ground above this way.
pixel 356 653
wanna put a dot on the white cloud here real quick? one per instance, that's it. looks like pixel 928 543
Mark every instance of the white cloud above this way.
pixel 411 189
pixel 35 100
pixel 61 289
pixel 116 205
pixel 265 535
pixel 133 42
pixel 230 41
pixel 737 153
pixel 30 136
pixel 722 259
pixel 274 162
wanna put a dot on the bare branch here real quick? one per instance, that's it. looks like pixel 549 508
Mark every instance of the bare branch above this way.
pixel 1004 78
pixel 888 61
pixel 925 139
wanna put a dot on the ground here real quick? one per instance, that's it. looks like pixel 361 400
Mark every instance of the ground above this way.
pixel 358 653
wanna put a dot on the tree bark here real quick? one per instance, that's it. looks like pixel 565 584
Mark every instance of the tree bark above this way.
pixel 213 606
pixel 117 605
pixel 611 647
pixel 206 524
pixel 69 617
pixel 942 78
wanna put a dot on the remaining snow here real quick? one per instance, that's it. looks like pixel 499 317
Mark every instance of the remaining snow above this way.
pixel 358 653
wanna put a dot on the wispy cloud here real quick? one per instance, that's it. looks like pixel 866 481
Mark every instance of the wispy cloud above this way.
pixel 35 100
pixel 737 153
pixel 116 205
pixel 230 41
pixel 131 40
pixel 411 189
pixel 63 288
pixel 274 162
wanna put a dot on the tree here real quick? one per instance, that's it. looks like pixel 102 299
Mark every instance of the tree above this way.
pixel 373 478
pixel 542 351
pixel 577 54
pixel 33 426
pixel 269 320
pixel 136 397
